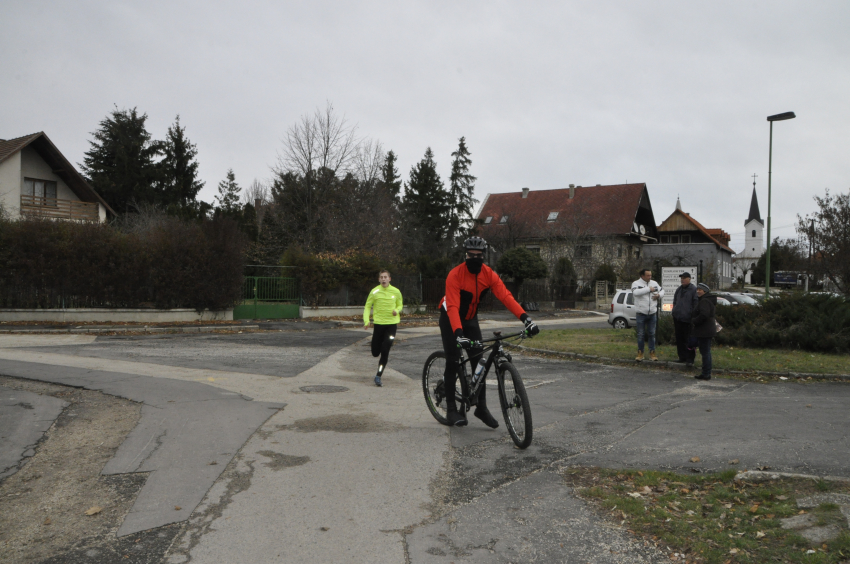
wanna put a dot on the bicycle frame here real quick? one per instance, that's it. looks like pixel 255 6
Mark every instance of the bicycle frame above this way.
pixel 496 351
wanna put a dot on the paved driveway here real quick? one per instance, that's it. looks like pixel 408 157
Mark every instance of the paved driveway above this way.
pixel 313 463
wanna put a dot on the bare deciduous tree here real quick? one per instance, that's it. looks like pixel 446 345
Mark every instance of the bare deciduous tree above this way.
pixel 258 190
pixel 830 238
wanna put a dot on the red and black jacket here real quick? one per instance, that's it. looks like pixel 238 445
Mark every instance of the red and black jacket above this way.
pixel 464 291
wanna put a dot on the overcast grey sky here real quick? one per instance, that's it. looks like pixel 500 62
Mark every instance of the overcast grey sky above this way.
pixel 671 93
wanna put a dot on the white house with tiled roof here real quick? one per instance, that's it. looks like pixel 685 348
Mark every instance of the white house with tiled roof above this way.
pixel 682 240
pixel 36 179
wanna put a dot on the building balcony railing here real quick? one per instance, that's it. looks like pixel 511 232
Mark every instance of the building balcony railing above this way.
pixel 56 208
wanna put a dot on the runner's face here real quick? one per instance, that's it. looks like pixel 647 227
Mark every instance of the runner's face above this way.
pixel 384 279
pixel 647 276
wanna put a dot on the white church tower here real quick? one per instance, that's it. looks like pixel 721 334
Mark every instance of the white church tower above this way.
pixel 746 260
pixel 754 229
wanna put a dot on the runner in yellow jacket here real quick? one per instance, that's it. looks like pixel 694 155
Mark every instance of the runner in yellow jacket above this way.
pixel 386 302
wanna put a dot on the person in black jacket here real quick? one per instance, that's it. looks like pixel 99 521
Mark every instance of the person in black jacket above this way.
pixel 705 328
pixel 684 306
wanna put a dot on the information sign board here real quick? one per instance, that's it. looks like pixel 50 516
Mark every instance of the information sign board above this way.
pixel 670 281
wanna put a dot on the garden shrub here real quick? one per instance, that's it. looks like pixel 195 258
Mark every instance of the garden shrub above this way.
pixel 811 322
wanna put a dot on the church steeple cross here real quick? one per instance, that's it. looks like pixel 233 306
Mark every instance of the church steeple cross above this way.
pixel 754 180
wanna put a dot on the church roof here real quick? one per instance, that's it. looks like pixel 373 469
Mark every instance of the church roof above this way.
pixel 754 209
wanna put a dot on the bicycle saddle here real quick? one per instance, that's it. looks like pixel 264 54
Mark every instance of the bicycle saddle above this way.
pixel 497 333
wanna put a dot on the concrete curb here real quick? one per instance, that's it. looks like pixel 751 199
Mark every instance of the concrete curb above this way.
pixel 762 475
pixel 136 329
pixel 679 367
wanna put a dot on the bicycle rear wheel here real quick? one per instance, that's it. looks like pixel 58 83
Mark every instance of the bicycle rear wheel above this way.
pixel 433 387
pixel 515 406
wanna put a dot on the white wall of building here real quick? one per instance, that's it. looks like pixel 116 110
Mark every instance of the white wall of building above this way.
pixel 10 184
pixel 33 166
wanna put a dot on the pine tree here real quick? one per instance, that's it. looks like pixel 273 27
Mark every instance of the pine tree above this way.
pixel 120 163
pixel 461 189
pixel 228 195
pixel 179 169
pixel 426 204
pixel 389 176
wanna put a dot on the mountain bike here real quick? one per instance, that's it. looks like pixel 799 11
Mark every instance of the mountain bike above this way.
pixel 512 397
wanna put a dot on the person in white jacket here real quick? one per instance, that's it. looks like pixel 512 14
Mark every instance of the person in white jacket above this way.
pixel 648 294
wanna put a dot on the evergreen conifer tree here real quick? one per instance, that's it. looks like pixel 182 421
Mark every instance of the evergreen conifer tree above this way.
pixel 389 176
pixel 461 189
pixel 228 195
pixel 179 169
pixel 427 204
pixel 120 163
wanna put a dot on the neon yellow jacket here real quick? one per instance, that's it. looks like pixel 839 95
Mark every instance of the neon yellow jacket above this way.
pixel 384 301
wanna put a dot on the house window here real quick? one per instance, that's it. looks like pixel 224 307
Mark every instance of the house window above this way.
pixel 637 252
pixel 552 216
pixel 534 249
pixel 504 219
pixel 619 251
pixel 674 239
pixel 43 191
pixel 665 238
pixel 583 251
pixel 488 219
pixel 754 232
pixel 686 238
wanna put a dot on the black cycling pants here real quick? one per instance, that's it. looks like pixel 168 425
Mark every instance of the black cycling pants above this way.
pixel 472 331
pixel 383 338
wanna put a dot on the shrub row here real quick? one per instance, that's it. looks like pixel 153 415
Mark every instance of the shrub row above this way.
pixel 167 264
pixel 810 322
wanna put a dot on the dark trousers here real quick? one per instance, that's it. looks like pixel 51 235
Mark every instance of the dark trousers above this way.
pixel 705 353
pixel 683 333
pixel 382 341
pixel 472 331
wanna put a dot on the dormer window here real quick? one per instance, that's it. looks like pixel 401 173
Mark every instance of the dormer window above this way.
pixel 504 219
pixel 552 216
pixel 488 219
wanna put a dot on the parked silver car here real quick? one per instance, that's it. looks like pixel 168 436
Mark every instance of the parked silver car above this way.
pixel 622 315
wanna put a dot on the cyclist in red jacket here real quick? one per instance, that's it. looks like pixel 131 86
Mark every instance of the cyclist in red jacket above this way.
pixel 465 286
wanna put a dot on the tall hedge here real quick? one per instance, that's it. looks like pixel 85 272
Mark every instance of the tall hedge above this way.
pixel 169 264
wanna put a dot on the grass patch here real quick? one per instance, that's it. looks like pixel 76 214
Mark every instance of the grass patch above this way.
pixel 712 518
pixel 622 344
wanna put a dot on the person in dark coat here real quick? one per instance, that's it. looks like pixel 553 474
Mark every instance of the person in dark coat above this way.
pixel 684 305
pixel 705 328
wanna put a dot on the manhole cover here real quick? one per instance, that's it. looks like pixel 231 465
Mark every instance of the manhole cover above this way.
pixel 323 389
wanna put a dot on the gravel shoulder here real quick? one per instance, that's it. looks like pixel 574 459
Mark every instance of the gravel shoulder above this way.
pixel 43 506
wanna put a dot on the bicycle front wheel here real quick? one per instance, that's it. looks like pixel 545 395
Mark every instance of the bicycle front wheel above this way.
pixel 515 406
pixel 433 387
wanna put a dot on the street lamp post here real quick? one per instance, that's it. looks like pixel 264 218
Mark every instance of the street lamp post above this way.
pixel 771 119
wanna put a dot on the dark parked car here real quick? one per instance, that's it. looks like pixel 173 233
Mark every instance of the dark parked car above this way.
pixel 732 298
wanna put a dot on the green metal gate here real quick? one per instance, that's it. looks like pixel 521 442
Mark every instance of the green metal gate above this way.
pixel 270 297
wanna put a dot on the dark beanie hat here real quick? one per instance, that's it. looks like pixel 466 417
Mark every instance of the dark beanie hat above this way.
pixel 703 287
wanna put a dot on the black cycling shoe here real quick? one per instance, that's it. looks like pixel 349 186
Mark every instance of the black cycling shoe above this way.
pixel 484 415
pixel 456 419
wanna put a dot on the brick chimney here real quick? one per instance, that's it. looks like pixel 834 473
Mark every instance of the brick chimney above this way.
pixel 572 191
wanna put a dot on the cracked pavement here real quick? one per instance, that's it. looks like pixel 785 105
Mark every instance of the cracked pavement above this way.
pixel 366 475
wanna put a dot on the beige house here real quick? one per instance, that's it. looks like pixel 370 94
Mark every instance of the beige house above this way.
pixel 36 179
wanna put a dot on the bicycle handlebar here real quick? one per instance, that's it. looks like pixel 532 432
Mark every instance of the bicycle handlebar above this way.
pixel 500 338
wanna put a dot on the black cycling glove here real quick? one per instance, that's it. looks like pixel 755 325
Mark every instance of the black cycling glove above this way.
pixel 462 342
pixel 531 328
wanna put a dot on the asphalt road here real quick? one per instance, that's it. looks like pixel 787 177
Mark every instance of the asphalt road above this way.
pixel 277 447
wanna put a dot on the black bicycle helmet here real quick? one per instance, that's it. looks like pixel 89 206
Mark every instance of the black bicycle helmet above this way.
pixel 475 244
